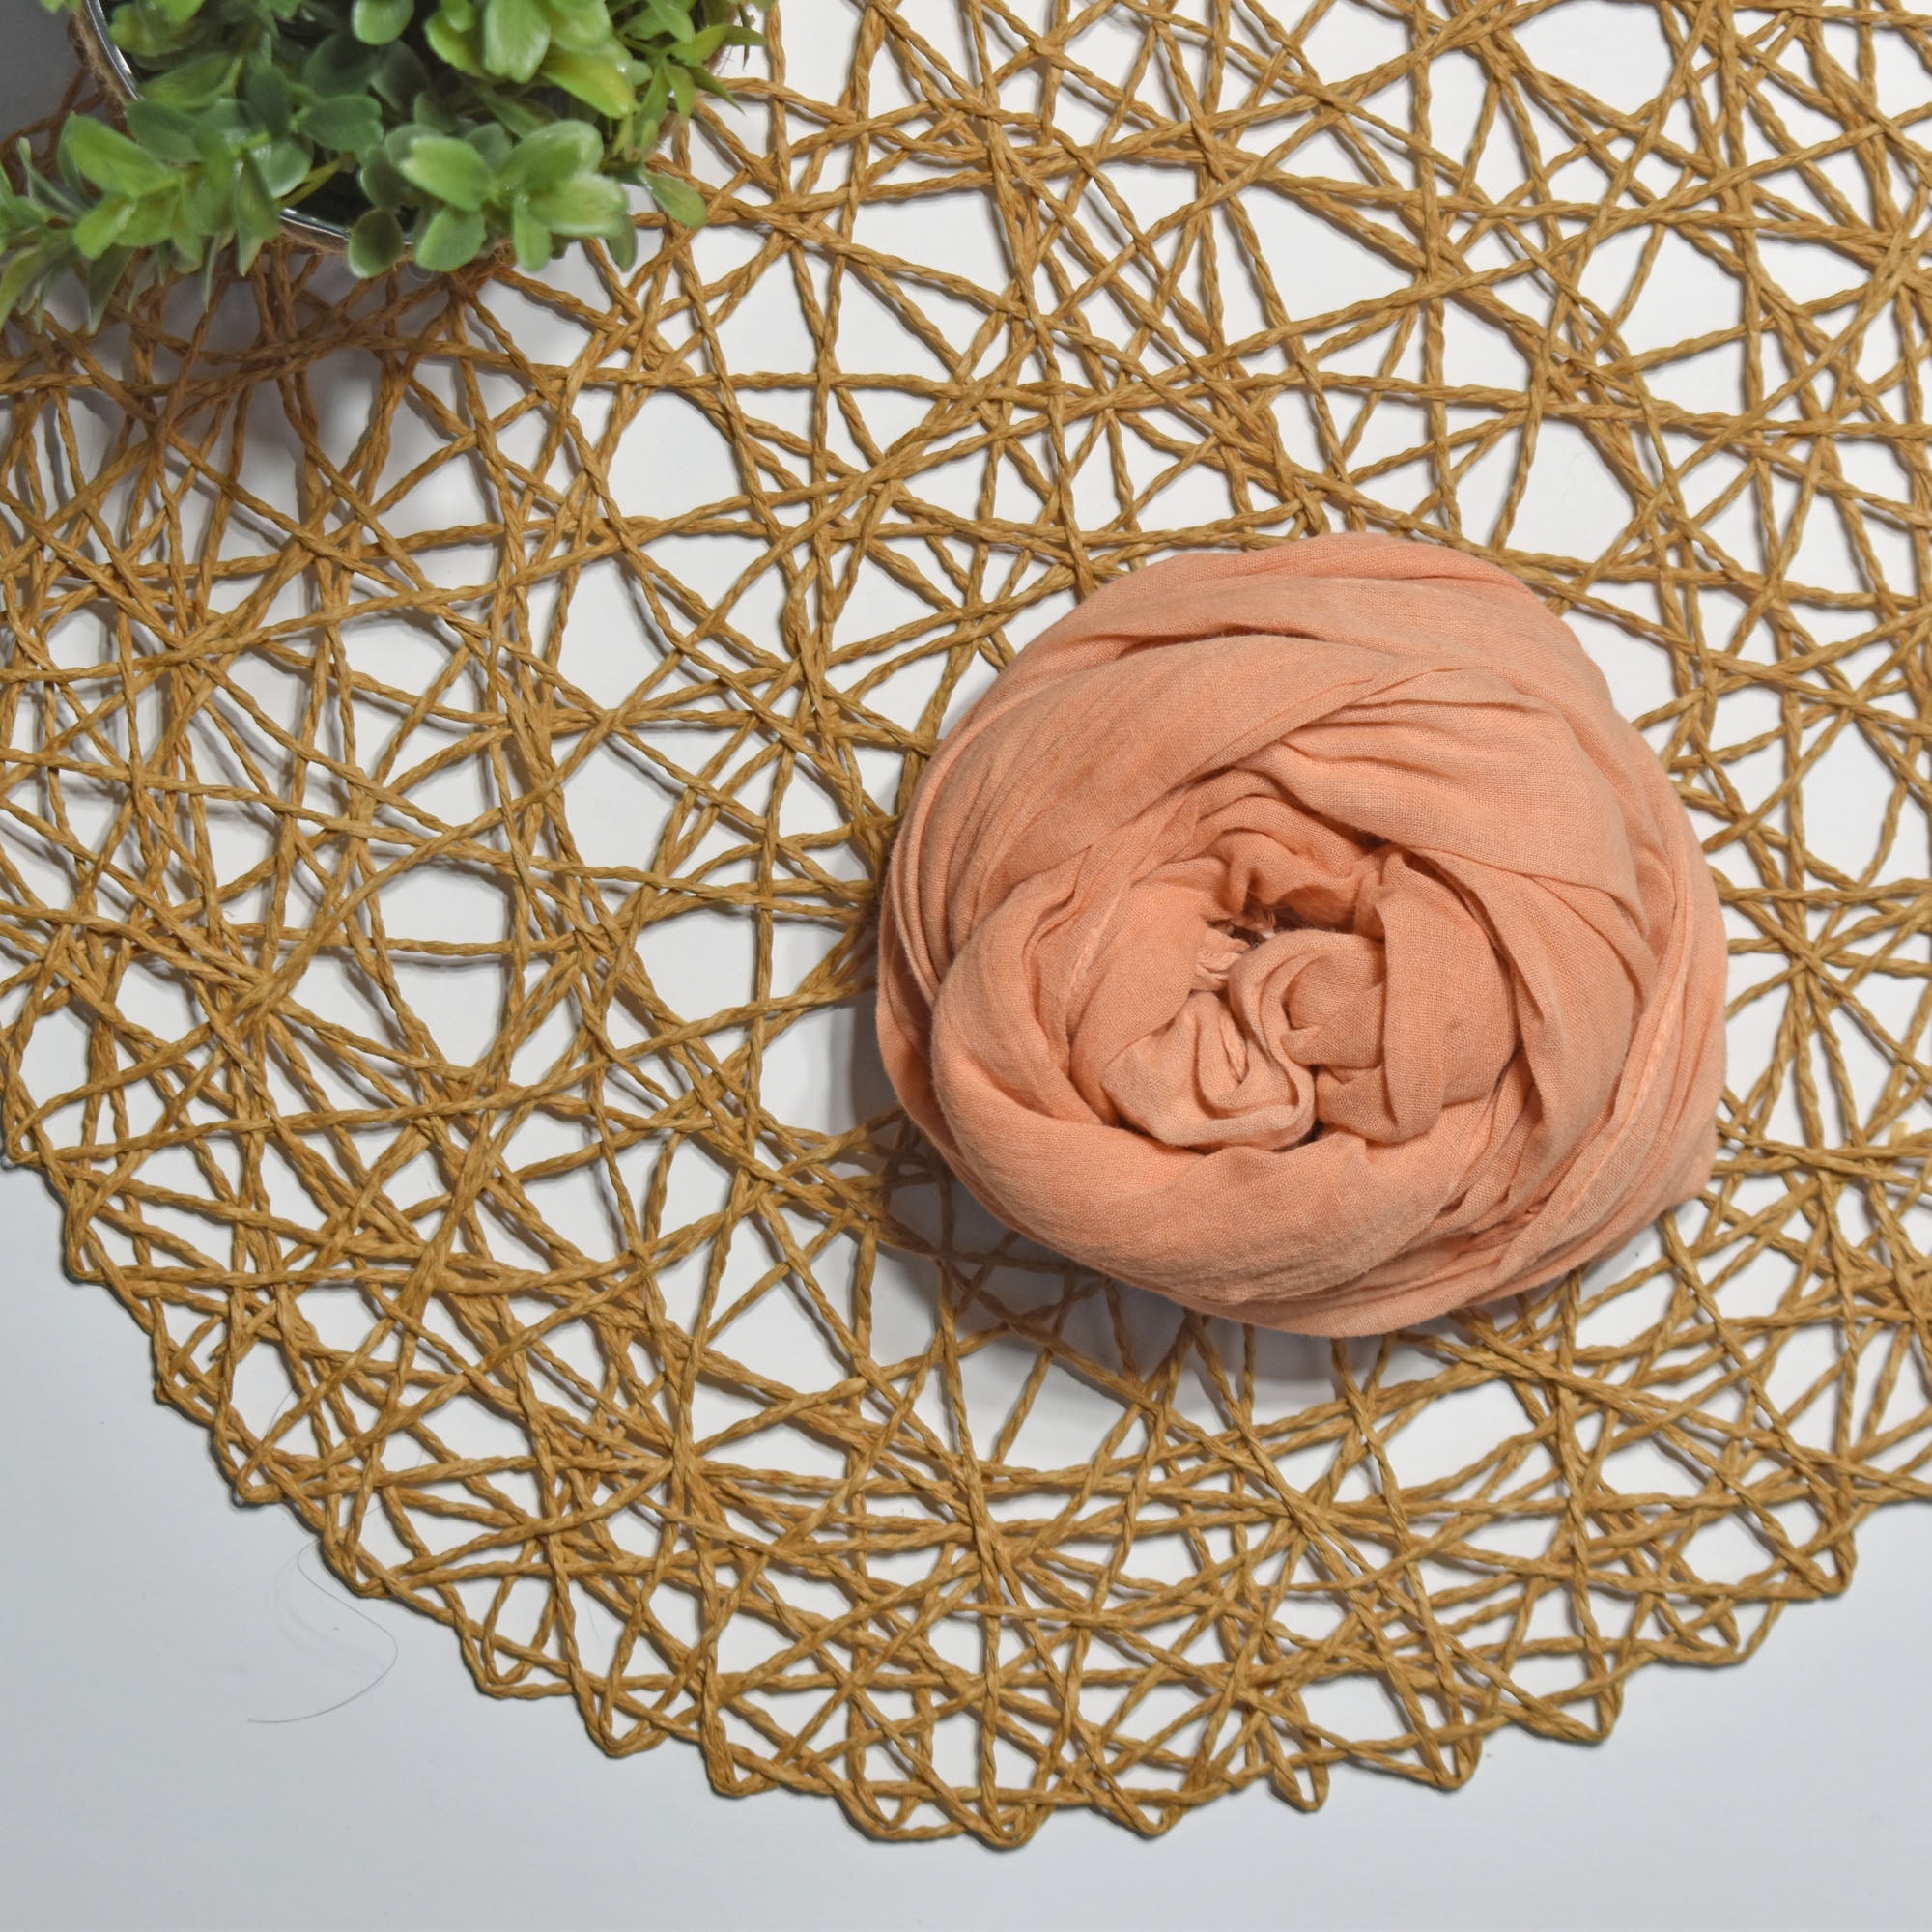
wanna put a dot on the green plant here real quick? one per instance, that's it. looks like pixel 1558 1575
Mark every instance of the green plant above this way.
pixel 432 129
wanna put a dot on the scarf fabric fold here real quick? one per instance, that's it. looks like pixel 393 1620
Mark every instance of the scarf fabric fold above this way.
pixel 1302 934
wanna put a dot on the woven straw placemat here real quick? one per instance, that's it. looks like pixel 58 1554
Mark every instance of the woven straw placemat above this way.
pixel 451 735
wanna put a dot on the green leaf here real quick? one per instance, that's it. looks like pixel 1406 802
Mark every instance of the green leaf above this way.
pixel 583 205
pixel 518 118
pixel 195 83
pixel 491 143
pixel 400 77
pixel 102 278
pixel 71 176
pixel 661 18
pixel 211 198
pixel 110 160
pixel 656 98
pixel 550 156
pixel 187 242
pixel 455 45
pixel 350 123
pixel 595 79
pixel 700 48
pixel 515 37
pixel 581 30
pixel 99 228
pixel 152 220
pixel 284 166
pixel 142 37
pixel 53 196
pixel 451 236
pixel 382 182
pixel 376 244
pixel 17 278
pixel 265 88
pixel 533 239
pixel 450 170
pixel 378 22
pixel 221 131
pixel 679 200
pixel 164 132
pixel 340 64
pixel 256 215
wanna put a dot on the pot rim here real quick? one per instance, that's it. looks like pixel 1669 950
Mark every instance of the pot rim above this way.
pixel 113 66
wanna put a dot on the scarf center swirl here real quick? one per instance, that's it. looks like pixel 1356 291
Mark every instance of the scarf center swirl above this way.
pixel 1302 934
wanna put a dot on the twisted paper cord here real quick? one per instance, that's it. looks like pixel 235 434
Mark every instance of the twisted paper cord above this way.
pixel 452 734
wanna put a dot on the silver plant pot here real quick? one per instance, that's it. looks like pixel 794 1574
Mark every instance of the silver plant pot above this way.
pixel 111 65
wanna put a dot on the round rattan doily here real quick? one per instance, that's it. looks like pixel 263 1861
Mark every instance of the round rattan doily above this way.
pixel 451 736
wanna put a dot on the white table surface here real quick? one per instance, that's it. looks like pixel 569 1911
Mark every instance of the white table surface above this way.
pixel 198 1729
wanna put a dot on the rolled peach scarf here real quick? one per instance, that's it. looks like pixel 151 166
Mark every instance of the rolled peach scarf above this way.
pixel 1303 935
